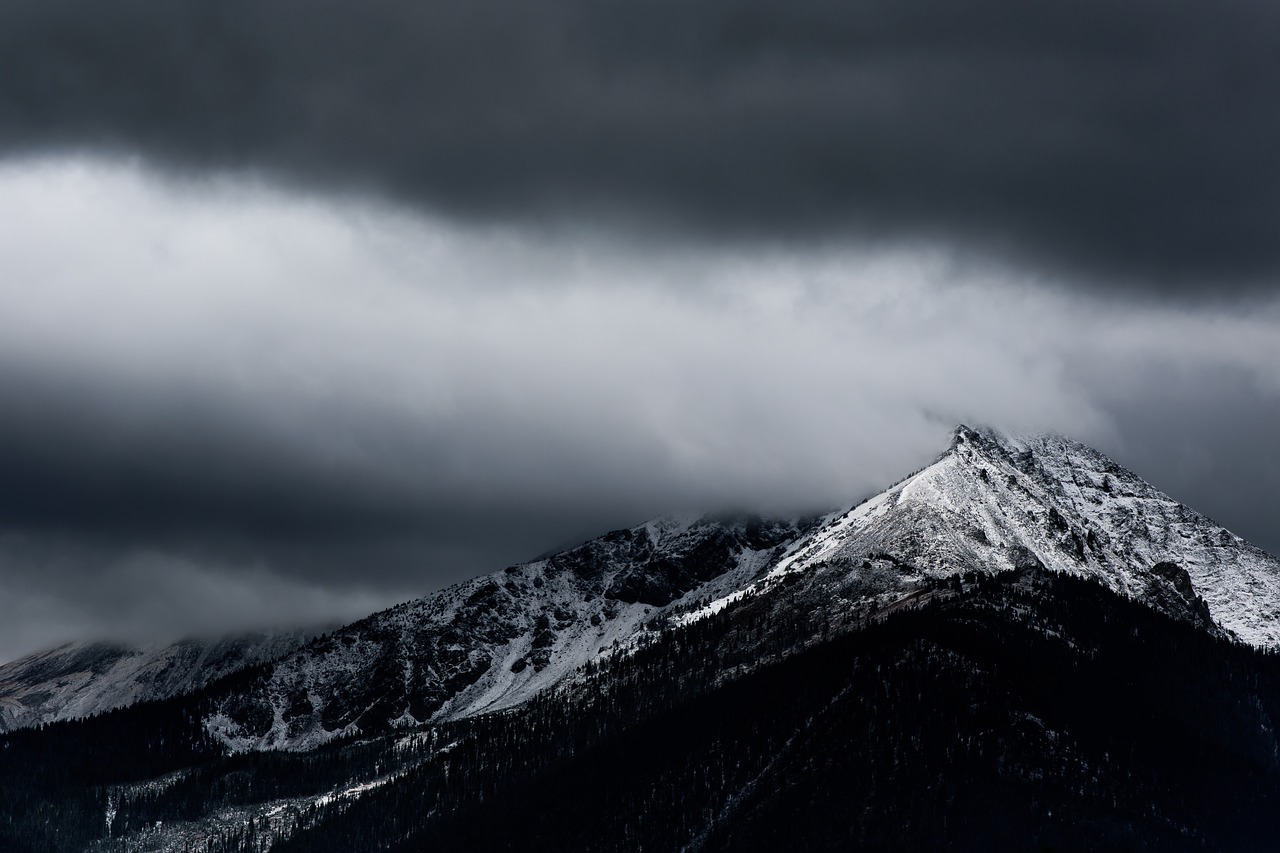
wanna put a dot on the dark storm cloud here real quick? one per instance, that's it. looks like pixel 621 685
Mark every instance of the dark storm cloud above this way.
pixel 1130 141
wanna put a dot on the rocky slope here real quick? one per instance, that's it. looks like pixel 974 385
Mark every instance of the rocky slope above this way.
pixel 495 641
pixel 81 679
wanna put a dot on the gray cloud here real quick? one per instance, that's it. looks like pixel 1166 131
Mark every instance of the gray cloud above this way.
pixel 331 407
pixel 1129 142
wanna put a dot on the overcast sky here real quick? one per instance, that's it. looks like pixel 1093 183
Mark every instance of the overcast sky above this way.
pixel 307 308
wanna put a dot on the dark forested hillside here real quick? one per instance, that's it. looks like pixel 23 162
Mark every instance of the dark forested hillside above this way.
pixel 1027 711
pixel 1022 710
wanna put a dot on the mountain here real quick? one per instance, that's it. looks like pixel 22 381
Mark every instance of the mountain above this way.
pixel 990 503
pixel 1020 645
pixel 86 678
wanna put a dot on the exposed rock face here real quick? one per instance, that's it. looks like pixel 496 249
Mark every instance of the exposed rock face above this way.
pixel 1170 589
pixel 660 577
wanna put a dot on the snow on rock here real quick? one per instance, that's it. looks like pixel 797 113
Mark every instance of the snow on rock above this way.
pixel 994 503
pixel 82 679
pixel 495 641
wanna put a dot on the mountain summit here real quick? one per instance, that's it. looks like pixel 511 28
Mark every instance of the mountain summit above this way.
pixel 994 502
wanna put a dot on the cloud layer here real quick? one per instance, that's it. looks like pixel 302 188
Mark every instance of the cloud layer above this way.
pixel 331 406
pixel 1133 142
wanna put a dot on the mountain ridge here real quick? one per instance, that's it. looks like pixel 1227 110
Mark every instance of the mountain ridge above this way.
pixel 990 502
pixel 495 641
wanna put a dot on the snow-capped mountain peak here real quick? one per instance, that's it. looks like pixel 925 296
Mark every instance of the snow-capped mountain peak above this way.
pixel 994 503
